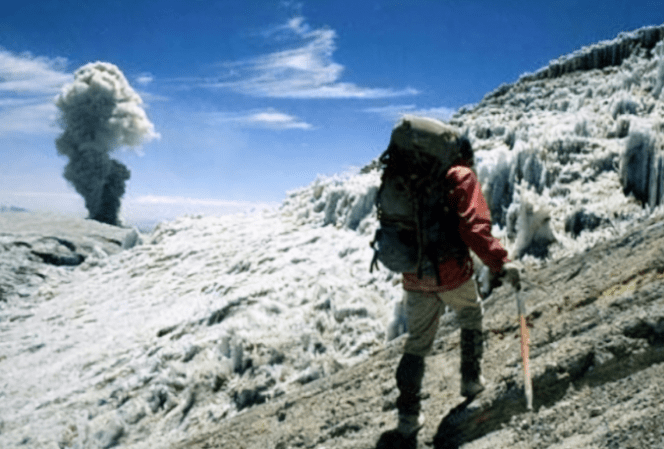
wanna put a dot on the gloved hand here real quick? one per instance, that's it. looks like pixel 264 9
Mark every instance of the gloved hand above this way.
pixel 511 272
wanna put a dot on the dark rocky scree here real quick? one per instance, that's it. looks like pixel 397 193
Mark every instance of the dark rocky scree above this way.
pixel 597 355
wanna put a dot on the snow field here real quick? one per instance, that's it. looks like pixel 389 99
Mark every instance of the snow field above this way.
pixel 207 317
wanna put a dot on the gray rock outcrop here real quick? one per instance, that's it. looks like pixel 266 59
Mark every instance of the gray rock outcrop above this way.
pixel 32 245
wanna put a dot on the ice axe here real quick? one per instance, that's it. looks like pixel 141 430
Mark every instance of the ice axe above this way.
pixel 525 342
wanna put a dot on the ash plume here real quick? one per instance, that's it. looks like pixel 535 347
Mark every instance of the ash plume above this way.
pixel 99 113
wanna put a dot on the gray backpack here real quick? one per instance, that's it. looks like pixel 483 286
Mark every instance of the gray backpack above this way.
pixel 417 228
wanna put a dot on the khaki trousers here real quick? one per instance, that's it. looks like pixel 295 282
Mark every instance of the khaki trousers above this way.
pixel 423 311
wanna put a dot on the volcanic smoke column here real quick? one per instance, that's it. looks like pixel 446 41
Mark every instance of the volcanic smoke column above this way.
pixel 100 112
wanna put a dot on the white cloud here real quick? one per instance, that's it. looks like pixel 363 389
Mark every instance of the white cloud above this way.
pixel 394 112
pixel 15 102
pixel 268 118
pixel 148 210
pixel 28 85
pixel 276 119
pixel 28 119
pixel 186 202
pixel 144 79
pixel 149 97
pixel 27 74
pixel 305 71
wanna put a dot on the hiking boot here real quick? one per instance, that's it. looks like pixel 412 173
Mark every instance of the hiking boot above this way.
pixel 472 382
pixel 409 382
pixel 409 425
pixel 471 388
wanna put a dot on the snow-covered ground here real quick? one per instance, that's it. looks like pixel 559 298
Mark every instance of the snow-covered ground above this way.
pixel 206 317
pixel 210 315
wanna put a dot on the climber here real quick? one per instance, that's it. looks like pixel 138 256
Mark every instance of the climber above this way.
pixel 428 159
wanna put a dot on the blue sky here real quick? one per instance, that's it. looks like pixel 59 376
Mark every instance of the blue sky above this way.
pixel 255 98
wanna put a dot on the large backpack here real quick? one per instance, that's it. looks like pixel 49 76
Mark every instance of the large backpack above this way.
pixel 417 228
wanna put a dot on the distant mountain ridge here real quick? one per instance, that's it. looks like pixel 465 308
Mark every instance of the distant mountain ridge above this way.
pixel 602 54
pixel 4 208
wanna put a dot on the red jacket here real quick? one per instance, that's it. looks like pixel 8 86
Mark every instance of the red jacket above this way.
pixel 475 231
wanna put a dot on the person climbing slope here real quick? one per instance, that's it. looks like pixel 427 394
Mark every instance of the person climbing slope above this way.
pixel 431 212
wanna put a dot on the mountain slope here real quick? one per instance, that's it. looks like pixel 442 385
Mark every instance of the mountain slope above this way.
pixel 267 329
pixel 580 141
pixel 597 354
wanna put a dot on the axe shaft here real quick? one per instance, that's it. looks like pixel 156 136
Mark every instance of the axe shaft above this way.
pixel 525 342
